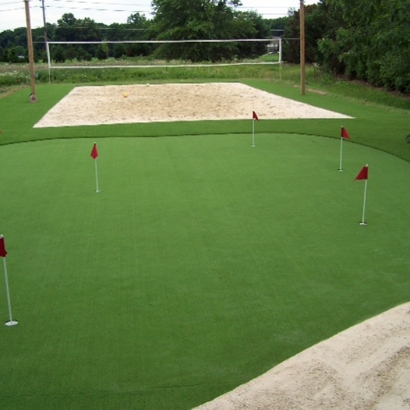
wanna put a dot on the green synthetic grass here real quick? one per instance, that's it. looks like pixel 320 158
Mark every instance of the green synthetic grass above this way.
pixel 377 126
pixel 202 262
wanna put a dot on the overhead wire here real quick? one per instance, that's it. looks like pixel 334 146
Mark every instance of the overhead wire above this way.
pixel 117 7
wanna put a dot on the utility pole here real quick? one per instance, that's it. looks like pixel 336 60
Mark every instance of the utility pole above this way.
pixel 302 46
pixel 44 20
pixel 33 96
pixel 46 40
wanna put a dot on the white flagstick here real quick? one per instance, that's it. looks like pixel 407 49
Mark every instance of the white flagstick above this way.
pixel 364 203
pixel 253 132
pixel 96 177
pixel 341 154
pixel 94 156
pixel 11 322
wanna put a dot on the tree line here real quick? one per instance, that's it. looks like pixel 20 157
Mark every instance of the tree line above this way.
pixel 361 40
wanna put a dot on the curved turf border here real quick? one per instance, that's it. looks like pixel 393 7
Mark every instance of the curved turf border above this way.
pixel 275 226
pixel 379 127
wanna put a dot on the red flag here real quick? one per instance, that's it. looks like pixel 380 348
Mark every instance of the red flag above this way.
pixel 363 174
pixel 94 152
pixel 344 133
pixel 255 116
pixel 3 251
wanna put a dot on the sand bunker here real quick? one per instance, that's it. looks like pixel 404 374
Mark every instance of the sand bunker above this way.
pixel 365 367
pixel 97 105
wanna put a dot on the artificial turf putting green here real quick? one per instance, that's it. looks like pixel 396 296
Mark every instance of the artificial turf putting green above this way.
pixel 202 263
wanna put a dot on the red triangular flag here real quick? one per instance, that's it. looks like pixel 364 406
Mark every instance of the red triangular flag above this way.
pixel 255 116
pixel 344 133
pixel 94 152
pixel 3 251
pixel 363 174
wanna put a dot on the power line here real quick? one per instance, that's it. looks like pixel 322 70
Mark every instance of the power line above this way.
pixel 90 9
pixel 18 8
pixel 99 2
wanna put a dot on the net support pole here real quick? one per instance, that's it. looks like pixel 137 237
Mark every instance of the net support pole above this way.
pixel 48 61
pixel 302 47
pixel 280 58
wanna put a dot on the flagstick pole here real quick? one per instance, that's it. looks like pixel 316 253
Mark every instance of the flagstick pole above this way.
pixel 364 203
pixel 96 177
pixel 11 322
pixel 253 132
pixel 341 155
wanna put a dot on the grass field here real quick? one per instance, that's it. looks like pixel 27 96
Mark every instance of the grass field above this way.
pixel 203 262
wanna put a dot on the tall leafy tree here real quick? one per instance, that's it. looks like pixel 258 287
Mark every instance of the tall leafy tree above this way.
pixel 373 41
pixel 137 28
pixel 71 29
pixel 313 31
pixel 199 20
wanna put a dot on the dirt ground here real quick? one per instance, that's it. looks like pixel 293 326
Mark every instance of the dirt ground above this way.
pixel 365 367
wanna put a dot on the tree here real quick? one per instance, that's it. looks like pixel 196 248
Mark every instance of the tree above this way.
pixel 251 25
pixel 313 31
pixel 119 50
pixel 102 51
pixel 59 55
pixel 138 29
pixel 67 28
pixel 199 20
pixel 372 42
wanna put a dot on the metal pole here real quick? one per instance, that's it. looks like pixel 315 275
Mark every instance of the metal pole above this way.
pixel 44 20
pixel 97 189
pixel 253 132
pixel 302 47
pixel 280 58
pixel 364 204
pixel 46 39
pixel 7 291
pixel 33 97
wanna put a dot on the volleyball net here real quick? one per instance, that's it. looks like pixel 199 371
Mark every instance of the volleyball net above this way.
pixel 54 50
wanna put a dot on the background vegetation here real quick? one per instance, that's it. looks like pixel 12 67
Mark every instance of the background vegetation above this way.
pixel 366 41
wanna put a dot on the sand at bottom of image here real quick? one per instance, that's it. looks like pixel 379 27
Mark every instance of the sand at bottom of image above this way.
pixel 365 367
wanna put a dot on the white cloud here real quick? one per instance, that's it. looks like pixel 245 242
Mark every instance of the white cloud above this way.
pixel 112 11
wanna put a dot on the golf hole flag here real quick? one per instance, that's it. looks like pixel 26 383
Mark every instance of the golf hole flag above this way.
pixel 94 151
pixel 3 254
pixel 254 118
pixel 344 133
pixel 363 175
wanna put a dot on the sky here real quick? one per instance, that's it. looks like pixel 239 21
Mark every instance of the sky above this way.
pixel 12 12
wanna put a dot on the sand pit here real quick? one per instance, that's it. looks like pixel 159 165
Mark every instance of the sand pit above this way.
pixel 174 102
pixel 365 367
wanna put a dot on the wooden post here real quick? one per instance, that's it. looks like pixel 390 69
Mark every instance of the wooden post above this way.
pixel 33 96
pixel 302 47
